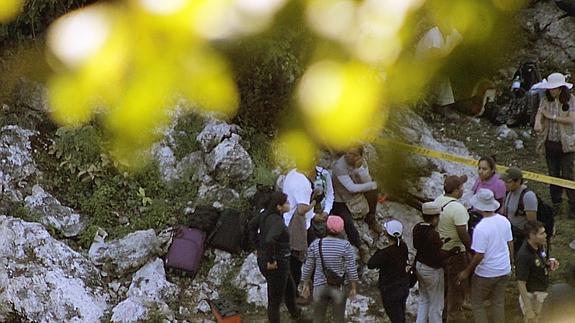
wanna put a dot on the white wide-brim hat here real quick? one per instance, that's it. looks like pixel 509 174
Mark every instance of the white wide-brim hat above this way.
pixel 484 201
pixel 553 81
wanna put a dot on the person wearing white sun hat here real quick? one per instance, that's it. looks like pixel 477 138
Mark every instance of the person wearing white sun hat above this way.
pixel 491 265
pixel 554 124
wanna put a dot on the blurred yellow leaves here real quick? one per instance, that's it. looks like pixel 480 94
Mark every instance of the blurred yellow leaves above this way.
pixel 341 102
pixel 9 9
pixel 295 146
pixel 129 61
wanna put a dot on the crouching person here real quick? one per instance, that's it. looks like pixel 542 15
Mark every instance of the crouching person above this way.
pixel 332 262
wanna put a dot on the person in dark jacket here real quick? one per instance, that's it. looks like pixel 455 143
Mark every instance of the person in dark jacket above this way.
pixel 393 279
pixel 429 264
pixel 273 250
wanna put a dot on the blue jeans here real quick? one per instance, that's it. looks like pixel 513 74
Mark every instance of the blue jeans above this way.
pixel 494 288
pixel 323 295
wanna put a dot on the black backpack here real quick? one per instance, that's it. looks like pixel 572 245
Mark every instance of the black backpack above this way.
pixel 528 75
pixel 204 218
pixel 544 213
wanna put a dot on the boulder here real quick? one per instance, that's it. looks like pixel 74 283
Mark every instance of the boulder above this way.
pixel 214 133
pixel 210 193
pixel 127 254
pixel 166 162
pixel 251 280
pixel 52 213
pixel 44 280
pixel 148 291
pixel 194 164
pixel 223 263
pixel 357 310
pixel 16 162
pixel 31 95
pixel 229 160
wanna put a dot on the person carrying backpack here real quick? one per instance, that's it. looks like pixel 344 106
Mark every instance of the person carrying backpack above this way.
pixel 519 206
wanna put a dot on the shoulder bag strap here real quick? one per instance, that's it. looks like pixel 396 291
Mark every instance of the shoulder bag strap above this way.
pixel 321 258
pixel 520 203
pixel 444 205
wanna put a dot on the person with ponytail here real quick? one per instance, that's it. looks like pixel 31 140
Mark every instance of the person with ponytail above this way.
pixel 393 279
pixel 273 250
pixel 554 123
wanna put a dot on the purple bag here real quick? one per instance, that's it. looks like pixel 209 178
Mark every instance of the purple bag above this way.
pixel 186 250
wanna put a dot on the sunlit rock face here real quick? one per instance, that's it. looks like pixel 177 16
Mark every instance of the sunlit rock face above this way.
pixel 52 213
pixel 17 165
pixel 125 255
pixel 149 291
pixel 43 280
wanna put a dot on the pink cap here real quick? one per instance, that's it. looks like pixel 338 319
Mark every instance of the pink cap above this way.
pixel 334 224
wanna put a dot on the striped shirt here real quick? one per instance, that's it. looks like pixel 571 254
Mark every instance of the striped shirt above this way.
pixel 337 256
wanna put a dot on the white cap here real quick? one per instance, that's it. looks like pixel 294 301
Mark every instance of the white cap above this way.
pixel 393 228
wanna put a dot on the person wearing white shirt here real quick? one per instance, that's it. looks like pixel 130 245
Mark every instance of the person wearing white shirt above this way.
pixel 493 245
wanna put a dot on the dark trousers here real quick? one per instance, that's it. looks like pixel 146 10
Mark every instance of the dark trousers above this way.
pixel 492 288
pixel 394 297
pixel 281 288
pixel 371 197
pixel 455 291
pixel 560 165
pixel 339 208
pixel 295 268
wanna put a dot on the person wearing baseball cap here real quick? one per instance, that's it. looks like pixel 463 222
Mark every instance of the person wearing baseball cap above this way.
pixel 330 254
pixel 554 125
pixel 452 228
pixel 429 264
pixel 393 279
pixel 491 264
pixel 519 205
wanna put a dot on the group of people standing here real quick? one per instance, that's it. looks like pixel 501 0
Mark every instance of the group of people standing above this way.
pixel 465 253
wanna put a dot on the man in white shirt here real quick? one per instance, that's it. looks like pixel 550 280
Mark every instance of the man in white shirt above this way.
pixel 493 245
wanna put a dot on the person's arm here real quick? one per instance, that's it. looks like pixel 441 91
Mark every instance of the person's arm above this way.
pixel 463 235
pixel 307 270
pixel 352 187
pixel 271 239
pixel 377 260
pixel 351 270
pixel 329 193
pixel 527 306
pixel 569 119
pixel 303 208
pixel 537 126
pixel 477 258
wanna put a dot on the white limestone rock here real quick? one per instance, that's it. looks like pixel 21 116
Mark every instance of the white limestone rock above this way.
pixel 16 162
pixel 251 280
pixel 229 160
pixel 54 214
pixel 44 280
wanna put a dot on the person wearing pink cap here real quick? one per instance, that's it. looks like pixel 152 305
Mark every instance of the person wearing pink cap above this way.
pixel 332 263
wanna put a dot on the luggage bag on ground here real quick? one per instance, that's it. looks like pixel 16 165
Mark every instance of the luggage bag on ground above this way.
pixel 186 250
pixel 229 232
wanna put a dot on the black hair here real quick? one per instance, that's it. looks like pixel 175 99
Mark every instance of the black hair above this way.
pixel 276 198
pixel 489 159
pixel 564 97
pixel 532 227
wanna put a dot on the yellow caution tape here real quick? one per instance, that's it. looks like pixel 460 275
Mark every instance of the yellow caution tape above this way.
pixel 473 163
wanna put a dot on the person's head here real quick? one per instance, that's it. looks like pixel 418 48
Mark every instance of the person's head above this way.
pixel 513 178
pixel 393 229
pixel 486 167
pixel 557 88
pixel 278 203
pixel 353 154
pixel 484 201
pixel 535 233
pixel 430 212
pixel 334 225
pixel 453 185
pixel 569 274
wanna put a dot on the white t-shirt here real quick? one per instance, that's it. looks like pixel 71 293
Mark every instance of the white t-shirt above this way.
pixel 490 238
pixel 298 190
